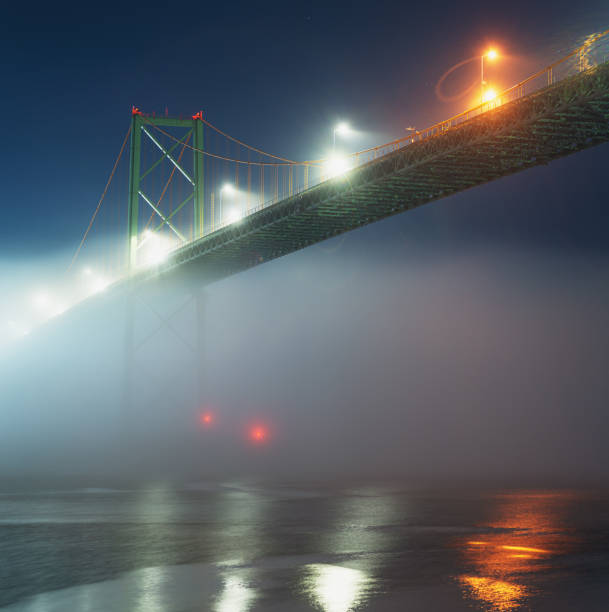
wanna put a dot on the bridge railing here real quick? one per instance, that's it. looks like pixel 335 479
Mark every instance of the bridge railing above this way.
pixel 594 51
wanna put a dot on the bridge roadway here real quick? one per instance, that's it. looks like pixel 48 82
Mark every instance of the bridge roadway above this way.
pixel 559 120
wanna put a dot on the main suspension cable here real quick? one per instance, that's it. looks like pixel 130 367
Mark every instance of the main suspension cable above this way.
pixel 232 159
pixel 101 199
pixel 243 144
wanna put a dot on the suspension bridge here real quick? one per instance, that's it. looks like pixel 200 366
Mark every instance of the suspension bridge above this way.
pixel 180 221
pixel 560 110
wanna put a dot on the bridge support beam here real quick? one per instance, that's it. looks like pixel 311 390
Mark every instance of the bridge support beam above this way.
pixel 128 363
pixel 199 369
pixel 134 189
pixel 199 209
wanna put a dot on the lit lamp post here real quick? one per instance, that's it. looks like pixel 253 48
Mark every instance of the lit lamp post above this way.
pixel 337 164
pixel 342 129
pixel 492 55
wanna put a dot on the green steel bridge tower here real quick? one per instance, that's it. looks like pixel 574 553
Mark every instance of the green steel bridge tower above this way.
pixel 141 126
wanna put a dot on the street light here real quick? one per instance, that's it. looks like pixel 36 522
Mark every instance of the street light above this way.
pixel 342 129
pixel 492 55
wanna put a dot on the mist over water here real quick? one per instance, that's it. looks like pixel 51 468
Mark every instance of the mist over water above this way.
pixel 482 365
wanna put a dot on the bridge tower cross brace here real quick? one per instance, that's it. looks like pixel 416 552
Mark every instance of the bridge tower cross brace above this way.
pixel 143 126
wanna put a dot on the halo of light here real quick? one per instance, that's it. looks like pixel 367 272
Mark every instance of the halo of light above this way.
pixel 336 165
pixel 258 433
pixel 206 418
pixel 489 95
pixel 343 128
pixel 234 215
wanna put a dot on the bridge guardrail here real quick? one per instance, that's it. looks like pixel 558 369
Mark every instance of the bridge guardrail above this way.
pixel 584 57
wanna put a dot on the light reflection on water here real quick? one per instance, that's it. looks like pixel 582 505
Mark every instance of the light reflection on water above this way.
pixel 241 517
pixel 243 524
pixel 360 534
pixel 237 595
pixel 362 520
pixel 530 532
pixel 149 590
pixel 334 588
pixel 240 549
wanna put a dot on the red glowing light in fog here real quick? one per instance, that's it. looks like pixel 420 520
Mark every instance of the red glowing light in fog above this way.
pixel 206 419
pixel 258 434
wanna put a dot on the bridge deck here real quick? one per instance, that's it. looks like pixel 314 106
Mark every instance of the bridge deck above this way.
pixel 563 118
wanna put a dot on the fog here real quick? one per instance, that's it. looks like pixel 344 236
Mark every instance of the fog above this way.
pixel 390 359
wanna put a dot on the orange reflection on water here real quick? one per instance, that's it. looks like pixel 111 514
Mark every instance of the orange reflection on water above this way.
pixel 502 595
pixel 541 551
pixel 529 534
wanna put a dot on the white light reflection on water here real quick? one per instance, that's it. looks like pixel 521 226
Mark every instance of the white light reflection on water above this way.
pixel 237 594
pixel 155 508
pixel 362 518
pixel 243 516
pixel 152 589
pixel 359 532
pixel 149 590
pixel 335 588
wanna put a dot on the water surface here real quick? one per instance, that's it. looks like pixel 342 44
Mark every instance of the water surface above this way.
pixel 236 548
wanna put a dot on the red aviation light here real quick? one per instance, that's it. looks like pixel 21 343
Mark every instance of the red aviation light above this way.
pixel 206 419
pixel 258 434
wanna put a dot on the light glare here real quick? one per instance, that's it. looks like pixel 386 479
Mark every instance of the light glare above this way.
pixel 343 128
pixel 41 301
pixel 489 95
pixel 234 215
pixel 99 284
pixel 154 248
pixel 336 165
